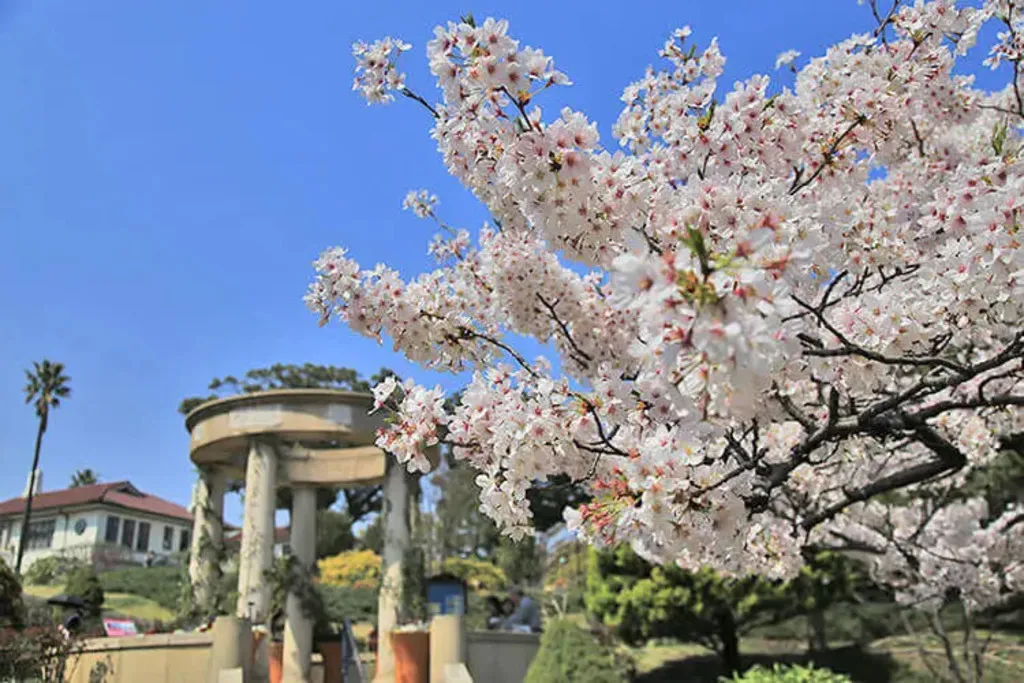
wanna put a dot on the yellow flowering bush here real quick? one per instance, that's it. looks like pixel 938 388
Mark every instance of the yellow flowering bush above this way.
pixel 478 574
pixel 353 569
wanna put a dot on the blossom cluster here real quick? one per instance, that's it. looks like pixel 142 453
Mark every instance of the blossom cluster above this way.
pixel 376 72
pixel 770 305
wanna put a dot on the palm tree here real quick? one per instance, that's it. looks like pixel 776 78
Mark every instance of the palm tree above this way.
pixel 47 385
pixel 84 477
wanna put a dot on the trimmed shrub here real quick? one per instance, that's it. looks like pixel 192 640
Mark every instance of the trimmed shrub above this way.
pixel 162 585
pixel 787 674
pixel 12 607
pixel 569 654
pixel 84 583
pixel 49 570
pixel 357 604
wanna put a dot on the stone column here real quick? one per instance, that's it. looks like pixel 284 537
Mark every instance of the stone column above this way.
pixel 207 538
pixel 396 541
pixel 257 553
pixel 231 647
pixel 447 644
pixel 298 630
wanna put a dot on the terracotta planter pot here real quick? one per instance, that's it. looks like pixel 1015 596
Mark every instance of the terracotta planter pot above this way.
pixel 276 657
pixel 330 650
pixel 412 656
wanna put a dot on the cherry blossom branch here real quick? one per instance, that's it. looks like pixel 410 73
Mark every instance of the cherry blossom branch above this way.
pixel 469 333
pixel 883 23
pixel 413 96
pixel 827 158
pixel 849 348
pixel 565 331
pixel 949 458
pixel 1008 20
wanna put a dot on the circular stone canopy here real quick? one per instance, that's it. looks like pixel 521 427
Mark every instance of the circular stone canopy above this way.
pixel 322 436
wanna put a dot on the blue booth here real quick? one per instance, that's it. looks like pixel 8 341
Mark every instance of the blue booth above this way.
pixel 446 594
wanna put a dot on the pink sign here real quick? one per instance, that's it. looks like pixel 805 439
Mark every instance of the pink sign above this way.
pixel 118 627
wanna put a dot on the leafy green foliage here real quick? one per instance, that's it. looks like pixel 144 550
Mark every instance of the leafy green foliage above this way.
pixel 282 376
pixel 83 583
pixel 413 604
pixel 549 498
pixel 642 601
pixel 357 604
pixel 40 653
pixel 45 387
pixel 46 384
pixel 333 533
pixel 84 477
pixel 519 560
pixel 162 585
pixel 787 674
pixel 569 654
pixel 372 537
pixel 478 574
pixel 465 531
pixel 287 575
pixel 225 598
pixel 49 570
pixel 12 607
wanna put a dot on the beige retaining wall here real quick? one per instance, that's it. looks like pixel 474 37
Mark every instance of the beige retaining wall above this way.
pixel 162 658
pixel 493 657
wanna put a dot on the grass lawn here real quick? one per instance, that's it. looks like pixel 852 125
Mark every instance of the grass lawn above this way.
pixel 120 603
pixel 885 661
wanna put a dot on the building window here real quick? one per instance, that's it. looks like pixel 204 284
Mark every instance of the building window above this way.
pixel 128 533
pixel 143 539
pixel 40 534
pixel 168 538
pixel 113 526
pixel 184 540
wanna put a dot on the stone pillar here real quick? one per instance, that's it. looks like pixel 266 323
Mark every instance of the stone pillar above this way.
pixel 231 648
pixel 298 630
pixel 207 538
pixel 257 553
pixel 447 644
pixel 396 541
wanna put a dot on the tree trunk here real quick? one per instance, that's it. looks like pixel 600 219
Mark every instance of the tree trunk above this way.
pixel 23 538
pixel 730 641
pixel 817 638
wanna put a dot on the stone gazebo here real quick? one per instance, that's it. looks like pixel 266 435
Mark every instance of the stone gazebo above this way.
pixel 304 439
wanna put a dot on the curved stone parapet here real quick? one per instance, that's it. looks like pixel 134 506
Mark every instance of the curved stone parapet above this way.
pixel 221 430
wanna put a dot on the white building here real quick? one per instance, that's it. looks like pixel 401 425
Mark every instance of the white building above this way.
pixel 104 524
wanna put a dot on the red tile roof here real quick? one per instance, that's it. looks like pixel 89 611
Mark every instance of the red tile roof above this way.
pixel 280 535
pixel 120 493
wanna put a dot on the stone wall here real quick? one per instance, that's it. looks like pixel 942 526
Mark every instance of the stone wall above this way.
pixel 500 657
pixel 162 658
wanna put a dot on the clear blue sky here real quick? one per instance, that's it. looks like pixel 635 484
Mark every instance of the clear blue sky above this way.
pixel 170 170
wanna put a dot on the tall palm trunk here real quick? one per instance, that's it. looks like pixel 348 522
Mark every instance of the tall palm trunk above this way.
pixel 23 538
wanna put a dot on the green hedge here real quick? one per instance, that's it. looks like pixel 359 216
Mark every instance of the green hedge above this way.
pixel 569 654
pixel 12 606
pixel 787 674
pixel 162 585
pixel 83 583
pixel 50 570
pixel 357 604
